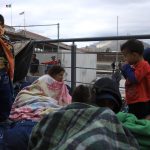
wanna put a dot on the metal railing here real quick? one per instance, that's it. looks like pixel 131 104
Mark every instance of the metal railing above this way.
pixel 74 48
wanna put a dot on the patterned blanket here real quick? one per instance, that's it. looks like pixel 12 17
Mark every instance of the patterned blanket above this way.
pixel 81 127
pixel 43 96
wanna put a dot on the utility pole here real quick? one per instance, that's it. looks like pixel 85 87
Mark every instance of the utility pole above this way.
pixel 117 47
pixel 23 13
pixel 58 28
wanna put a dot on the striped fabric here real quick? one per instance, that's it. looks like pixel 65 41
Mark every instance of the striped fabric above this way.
pixel 81 127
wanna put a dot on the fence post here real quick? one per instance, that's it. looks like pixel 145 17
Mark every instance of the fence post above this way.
pixel 73 67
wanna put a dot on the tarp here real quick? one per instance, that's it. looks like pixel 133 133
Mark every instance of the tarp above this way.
pixel 23 53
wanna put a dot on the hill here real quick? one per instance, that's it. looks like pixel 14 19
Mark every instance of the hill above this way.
pixel 108 46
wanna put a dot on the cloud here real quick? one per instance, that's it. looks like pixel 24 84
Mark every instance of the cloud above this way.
pixel 82 18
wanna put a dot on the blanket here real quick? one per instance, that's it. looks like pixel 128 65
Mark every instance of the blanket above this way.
pixel 43 96
pixel 81 127
pixel 139 127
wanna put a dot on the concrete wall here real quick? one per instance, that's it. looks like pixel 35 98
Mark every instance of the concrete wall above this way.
pixel 83 60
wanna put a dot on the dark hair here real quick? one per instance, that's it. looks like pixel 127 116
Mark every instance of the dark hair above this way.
pixel 81 94
pixel 34 54
pixel 55 70
pixel 1 19
pixel 133 45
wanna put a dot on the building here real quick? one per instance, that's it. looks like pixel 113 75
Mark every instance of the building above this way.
pixel 45 50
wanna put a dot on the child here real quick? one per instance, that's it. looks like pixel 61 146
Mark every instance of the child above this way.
pixel 81 94
pixel 104 93
pixel 137 74
pixel 6 74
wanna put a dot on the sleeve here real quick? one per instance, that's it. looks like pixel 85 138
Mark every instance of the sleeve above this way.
pixel 141 71
pixel 128 73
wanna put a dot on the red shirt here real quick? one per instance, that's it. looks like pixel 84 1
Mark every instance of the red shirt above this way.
pixel 52 62
pixel 140 91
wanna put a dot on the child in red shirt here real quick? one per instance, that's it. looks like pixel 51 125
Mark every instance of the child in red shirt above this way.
pixel 137 74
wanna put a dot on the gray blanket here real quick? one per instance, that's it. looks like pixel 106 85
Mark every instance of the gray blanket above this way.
pixel 81 127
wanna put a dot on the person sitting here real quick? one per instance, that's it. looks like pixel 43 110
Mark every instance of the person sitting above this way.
pixel 106 94
pixel 81 94
pixel 85 124
pixel 138 127
pixel 48 91
pixel 47 94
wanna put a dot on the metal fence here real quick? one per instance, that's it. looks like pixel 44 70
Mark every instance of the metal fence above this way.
pixel 74 48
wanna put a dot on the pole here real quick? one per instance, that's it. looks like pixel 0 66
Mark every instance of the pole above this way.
pixel 58 39
pixel 11 15
pixel 10 6
pixel 73 66
pixel 24 21
pixel 117 47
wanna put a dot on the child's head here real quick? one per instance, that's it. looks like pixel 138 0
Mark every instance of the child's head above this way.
pixel 106 94
pixel 81 94
pixel 57 72
pixel 133 51
pixel 1 25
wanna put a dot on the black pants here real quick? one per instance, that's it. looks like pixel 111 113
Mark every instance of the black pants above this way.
pixel 6 95
pixel 140 110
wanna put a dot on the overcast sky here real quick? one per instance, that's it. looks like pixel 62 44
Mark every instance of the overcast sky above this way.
pixel 80 18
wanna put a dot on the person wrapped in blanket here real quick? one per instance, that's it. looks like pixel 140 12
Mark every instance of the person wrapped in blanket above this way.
pixel 6 73
pixel 89 124
pixel 136 71
pixel 47 94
